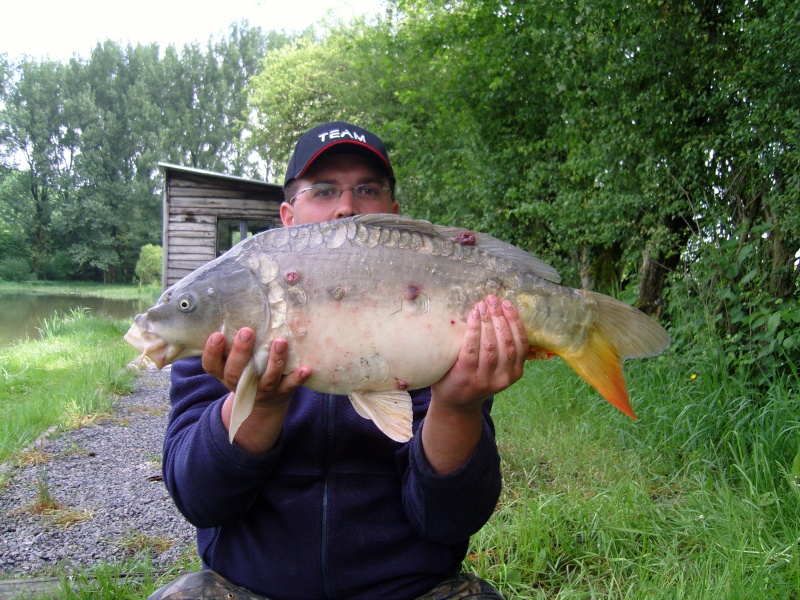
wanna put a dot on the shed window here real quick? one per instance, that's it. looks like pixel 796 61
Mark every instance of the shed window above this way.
pixel 232 231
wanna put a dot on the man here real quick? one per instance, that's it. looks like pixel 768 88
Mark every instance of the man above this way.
pixel 311 500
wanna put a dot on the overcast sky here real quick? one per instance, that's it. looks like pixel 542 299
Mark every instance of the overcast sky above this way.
pixel 57 29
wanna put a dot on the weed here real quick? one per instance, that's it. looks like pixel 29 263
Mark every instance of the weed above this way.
pixel 125 580
pixel 137 542
pixel 76 419
pixel 153 458
pixel 44 499
pixel 32 456
pixel 65 517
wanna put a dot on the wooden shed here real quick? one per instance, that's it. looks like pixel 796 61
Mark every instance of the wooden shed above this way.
pixel 207 213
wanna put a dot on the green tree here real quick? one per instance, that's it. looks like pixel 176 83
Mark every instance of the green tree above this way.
pixel 87 135
pixel 40 141
pixel 626 143
pixel 335 76
pixel 15 218
pixel 205 99
pixel 106 168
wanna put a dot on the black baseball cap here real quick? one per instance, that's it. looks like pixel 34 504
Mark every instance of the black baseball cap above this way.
pixel 341 136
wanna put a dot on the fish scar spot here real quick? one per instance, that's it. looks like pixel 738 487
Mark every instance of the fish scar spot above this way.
pixel 412 292
pixel 401 384
pixel 337 293
pixel 291 277
pixel 464 239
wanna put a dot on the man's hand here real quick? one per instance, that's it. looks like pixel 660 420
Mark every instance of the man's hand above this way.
pixel 492 358
pixel 261 429
pixel 273 385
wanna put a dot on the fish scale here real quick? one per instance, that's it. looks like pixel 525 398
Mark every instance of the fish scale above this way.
pixel 377 304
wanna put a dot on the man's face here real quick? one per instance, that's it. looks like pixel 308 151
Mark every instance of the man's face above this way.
pixel 342 170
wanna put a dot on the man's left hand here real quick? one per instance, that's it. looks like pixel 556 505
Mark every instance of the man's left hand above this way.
pixel 492 356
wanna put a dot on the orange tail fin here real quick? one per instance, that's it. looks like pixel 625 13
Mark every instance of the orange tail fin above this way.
pixel 609 332
pixel 600 365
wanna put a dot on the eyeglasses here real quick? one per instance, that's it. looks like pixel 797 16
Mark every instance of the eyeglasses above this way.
pixel 327 192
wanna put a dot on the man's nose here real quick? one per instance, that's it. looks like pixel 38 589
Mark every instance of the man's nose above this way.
pixel 347 204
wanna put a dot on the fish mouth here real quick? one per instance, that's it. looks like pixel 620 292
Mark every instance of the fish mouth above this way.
pixel 149 344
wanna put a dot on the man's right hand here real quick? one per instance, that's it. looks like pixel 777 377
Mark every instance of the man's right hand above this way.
pixel 259 431
pixel 273 385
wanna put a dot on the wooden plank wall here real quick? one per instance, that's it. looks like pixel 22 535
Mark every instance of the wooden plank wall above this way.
pixel 193 203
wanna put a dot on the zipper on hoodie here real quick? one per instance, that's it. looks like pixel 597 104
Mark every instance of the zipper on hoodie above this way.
pixel 329 406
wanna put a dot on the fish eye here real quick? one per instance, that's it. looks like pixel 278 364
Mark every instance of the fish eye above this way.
pixel 185 303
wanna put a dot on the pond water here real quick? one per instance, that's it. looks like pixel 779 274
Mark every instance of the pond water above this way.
pixel 21 314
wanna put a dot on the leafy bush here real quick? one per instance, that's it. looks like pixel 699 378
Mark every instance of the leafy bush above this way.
pixel 148 267
pixel 58 267
pixel 724 308
pixel 15 269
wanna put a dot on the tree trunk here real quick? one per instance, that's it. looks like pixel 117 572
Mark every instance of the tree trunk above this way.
pixel 651 283
pixel 586 277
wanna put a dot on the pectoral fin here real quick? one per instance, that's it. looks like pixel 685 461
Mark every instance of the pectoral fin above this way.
pixel 390 411
pixel 244 397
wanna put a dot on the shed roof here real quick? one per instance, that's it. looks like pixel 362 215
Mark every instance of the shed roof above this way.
pixel 164 167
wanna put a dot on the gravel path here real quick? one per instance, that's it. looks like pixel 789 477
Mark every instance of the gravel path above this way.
pixel 106 480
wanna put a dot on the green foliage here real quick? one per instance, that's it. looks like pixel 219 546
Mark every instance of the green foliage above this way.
pixel 627 144
pixel 148 267
pixel 338 77
pixel 721 305
pixel 58 267
pixel 649 150
pixel 125 580
pixel 15 269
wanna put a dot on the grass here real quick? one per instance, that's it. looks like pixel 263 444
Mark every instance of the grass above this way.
pixel 695 500
pixel 75 371
pixel 85 289
pixel 72 374
pixel 131 579
pixel 698 499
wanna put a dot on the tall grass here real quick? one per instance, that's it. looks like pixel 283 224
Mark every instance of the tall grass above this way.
pixel 694 500
pixel 75 370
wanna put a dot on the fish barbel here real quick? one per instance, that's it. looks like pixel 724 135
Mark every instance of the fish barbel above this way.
pixel 377 304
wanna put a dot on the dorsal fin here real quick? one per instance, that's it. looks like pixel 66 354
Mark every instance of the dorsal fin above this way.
pixel 483 241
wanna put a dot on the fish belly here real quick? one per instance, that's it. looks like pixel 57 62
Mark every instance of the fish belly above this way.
pixel 373 345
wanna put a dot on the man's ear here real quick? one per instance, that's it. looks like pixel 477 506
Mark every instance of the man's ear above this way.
pixel 287 214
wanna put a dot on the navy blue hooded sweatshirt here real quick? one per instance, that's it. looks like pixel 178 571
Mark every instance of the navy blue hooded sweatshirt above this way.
pixel 335 510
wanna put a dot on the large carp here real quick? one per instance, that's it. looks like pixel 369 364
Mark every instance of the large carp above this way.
pixel 377 304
